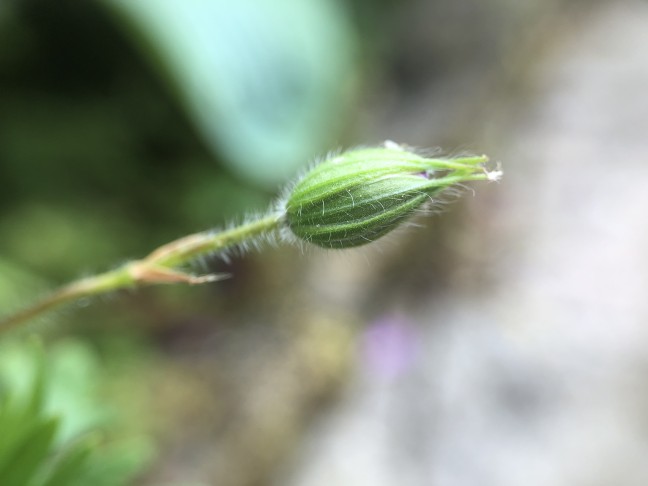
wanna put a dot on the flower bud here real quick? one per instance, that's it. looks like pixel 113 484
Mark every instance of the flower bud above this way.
pixel 358 196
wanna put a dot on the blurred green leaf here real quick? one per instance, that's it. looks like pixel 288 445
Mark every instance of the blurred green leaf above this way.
pixel 265 81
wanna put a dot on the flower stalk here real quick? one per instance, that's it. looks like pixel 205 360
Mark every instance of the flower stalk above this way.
pixel 159 267
pixel 346 201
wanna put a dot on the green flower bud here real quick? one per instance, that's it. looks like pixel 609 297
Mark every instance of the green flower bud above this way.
pixel 356 197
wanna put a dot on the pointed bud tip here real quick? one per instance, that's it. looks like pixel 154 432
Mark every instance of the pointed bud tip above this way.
pixel 496 174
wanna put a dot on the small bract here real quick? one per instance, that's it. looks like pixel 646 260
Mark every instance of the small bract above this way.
pixel 358 196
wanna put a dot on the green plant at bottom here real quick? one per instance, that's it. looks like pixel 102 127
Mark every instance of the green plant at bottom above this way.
pixel 28 454
pixel 39 447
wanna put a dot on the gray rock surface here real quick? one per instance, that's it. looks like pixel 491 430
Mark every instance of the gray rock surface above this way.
pixel 539 377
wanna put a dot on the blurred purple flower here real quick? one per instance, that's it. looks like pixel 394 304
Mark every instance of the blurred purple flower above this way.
pixel 389 346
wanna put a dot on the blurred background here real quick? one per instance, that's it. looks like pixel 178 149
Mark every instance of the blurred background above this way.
pixel 501 343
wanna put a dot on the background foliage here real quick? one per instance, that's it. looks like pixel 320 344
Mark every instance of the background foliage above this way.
pixel 502 343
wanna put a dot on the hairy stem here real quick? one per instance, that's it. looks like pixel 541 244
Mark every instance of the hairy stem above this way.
pixel 159 267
